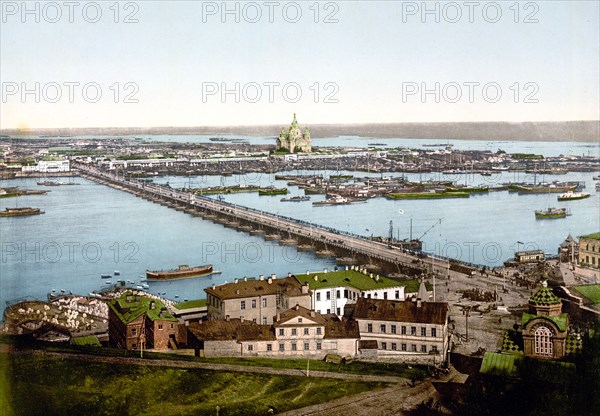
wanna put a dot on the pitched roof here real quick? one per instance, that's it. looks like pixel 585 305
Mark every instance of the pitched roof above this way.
pixel 250 288
pixel 301 312
pixel 129 307
pixel 232 330
pixel 347 278
pixel 336 329
pixel 544 297
pixel 401 311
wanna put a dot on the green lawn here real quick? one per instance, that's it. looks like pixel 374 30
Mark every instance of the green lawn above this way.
pixel 43 385
pixel 592 292
pixel 197 303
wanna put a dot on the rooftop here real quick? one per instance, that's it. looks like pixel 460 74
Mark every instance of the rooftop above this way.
pixel 401 311
pixel 347 278
pixel 544 297
pixel 561 321
pixel 129 307
pixel 234 329
pixel 593 236
pixel 302 312
pixel 250 288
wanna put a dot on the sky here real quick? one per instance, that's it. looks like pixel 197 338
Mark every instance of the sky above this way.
pixel 158 63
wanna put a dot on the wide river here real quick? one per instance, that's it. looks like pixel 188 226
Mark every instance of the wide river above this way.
pixel 90 229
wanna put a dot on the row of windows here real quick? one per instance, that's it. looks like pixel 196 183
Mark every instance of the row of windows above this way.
pixel 393 330
pixel 253 303
pixel 294 346
pixel 294 331
pixel 348 295
pixel 404 347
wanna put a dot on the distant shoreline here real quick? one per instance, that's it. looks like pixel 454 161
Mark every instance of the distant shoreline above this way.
pixel 561 131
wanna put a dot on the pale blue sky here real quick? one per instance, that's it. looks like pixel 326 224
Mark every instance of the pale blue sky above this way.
pixel 370 54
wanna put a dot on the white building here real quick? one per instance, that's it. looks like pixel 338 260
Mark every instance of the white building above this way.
pixel 332 291
pixel 48 166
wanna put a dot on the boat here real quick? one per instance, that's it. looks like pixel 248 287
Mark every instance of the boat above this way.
pixel 52 183
pixel 339 200
pixel 272 191
pixel 551 213
pixel 17 212
pixel 555 187
pixel 145 286
pixel 105 276
pixel 296 198
pixel 572 196
pixel 596 178
pixel 182 271
pixel 117 273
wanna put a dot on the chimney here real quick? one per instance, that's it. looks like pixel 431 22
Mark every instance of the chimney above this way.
pixel 324 270
pixel 289 274
pixel 346 268
pixel 245 279
pixel 307 272
pixel 227 318
pixel 261 277
pixel 371 275
pixel 152 304
pixel 278 317
pixel 419 303
pixel 241 319
pixel 305 289
pixel 237 292
pixel 316 278
pixel 269 280
pixel 273 276
pixel 313 314
pixel 213 286
pixel 235 281
pixel 297 307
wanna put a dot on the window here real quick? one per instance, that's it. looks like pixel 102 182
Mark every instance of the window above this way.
pixel 382 328
pixel 319 331
pixel 294 348
pixel 269 347
pixel 281 347
pixel 171 326
pixel 337 294
pixel 375 295
pixel 397 294
pixel 338 311
pixel 243 304
pixel 328 311
pixel 306 346
pixel 413 330
pixel 305 331
pixel 160 326
pixel 254 320
pixel 393 329
pixel 433 332
pixel 385 295
pixel 346 293
pixel 434 348
pixel 299 320
pixel 413 348
pixel 543 341
pixel 281 332
pixel 133 331
pixel 250 347
pixel 264 302
pixel 318 296
pixel 423 332
pixel 423 348
pixel 369 327
pixel 384 345
pixel 264 320
pixel 403 330
pixel 318 345
pixel 403 347
pixel 328 296
pixel 133 346
pixel 394 346
pixel 294 332
pixel 253 303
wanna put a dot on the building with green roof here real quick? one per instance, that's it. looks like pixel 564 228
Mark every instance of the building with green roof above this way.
pixel 136 322
pixel 331 291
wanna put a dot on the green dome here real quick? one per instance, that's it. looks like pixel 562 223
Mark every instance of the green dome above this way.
pixel 544 297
